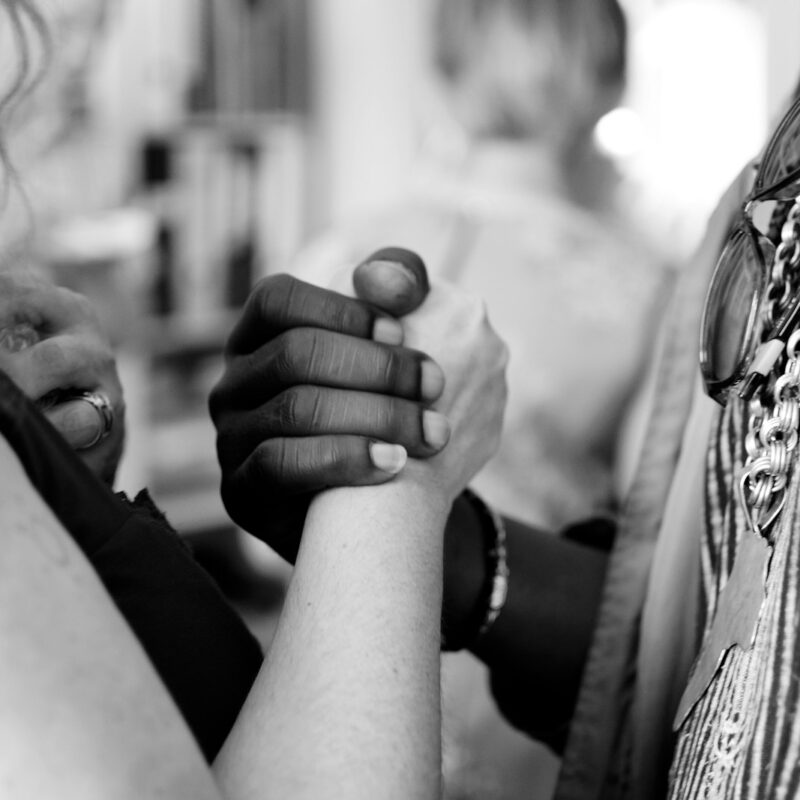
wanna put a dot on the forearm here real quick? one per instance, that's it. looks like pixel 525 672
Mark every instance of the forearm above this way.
pixel 84 713
pixel 349 695
pixel 537 647
pixel 170 603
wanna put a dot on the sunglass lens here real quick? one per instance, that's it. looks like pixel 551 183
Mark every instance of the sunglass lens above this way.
pixel 731 307
pixel 781 162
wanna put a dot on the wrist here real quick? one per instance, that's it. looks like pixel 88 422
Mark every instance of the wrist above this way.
pixel 475 572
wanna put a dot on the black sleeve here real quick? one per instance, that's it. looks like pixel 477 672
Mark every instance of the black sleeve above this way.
pixel 198 644
pixel 543 708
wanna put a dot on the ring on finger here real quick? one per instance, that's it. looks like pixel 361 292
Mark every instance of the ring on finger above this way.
pixel 105 411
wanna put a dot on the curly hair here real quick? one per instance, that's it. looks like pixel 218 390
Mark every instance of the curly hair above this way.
pixel 28 35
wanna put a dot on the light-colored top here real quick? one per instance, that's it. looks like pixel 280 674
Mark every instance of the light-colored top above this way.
pixel 576 300
pixel 621 740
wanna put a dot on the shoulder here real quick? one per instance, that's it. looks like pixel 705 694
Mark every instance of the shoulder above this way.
pixel 420 225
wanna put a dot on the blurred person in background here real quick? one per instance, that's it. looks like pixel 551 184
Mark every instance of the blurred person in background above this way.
pixel 520 208
pixel 109 626
pixel 516 204
pixel 667 667
pixel 735 726
pixel 103 613
pixel 83 657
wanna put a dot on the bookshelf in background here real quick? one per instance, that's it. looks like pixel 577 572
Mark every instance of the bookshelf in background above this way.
pixel 224 181
pixel 227 193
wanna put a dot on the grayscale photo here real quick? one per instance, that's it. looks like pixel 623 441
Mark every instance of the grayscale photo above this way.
pixel 399 399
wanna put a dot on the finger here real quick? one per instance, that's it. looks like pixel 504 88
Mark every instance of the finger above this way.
pixel 17 337
pixel 78 422
pixel 281 302
pixel 299 465
pixel 61 363
pixel 314 411
pixel 27 297
pixel 322 358
pixel 392 279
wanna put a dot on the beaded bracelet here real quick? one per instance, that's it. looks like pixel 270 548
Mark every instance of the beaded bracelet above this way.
pixel 494 592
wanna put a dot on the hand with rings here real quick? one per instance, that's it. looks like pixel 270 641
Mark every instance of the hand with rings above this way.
pixel 85 419
pixel 52 347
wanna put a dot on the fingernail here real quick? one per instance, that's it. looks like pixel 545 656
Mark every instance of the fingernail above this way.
pixel 435 428
pixel 387 331
pixel 392 271
pixel 390 458
pixel 78 430
pixel 388 284
pixel 431 380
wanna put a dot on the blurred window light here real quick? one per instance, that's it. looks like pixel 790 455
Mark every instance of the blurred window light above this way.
pixel 698 81
pixel 619 133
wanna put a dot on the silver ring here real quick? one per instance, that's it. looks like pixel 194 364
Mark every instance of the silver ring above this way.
pixel 102 405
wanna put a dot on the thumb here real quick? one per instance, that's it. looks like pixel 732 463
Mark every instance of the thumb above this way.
pixel 392 279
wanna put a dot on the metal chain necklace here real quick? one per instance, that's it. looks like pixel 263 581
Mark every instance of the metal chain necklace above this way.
pixel 770 443
pixel 775 412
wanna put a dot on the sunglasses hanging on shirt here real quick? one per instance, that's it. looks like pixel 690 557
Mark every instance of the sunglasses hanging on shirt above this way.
pixel 755 282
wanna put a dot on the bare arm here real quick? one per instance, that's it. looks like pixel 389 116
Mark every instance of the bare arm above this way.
pixel 84 714
pixel 349 693
pixel 349 696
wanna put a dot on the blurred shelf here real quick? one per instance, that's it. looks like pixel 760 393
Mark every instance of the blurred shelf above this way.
pixel 255 123
pixel 192 335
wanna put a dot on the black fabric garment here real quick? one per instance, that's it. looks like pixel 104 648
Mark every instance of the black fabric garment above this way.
pixel 544 712
pixel 198 644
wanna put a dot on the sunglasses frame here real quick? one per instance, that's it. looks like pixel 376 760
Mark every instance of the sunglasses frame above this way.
pixel 717 388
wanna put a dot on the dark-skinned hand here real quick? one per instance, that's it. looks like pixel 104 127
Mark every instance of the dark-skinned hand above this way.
pixel 318 391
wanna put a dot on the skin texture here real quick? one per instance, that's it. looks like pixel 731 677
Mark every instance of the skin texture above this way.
pixel 555 584
pixel 71 671
pixel 313 381
pixel 351 684
pixel 365 602
pixel 52 347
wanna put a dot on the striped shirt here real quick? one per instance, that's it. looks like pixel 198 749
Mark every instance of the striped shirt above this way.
pixel 742 739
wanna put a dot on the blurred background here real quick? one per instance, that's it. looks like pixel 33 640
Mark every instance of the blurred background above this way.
pixel 178 150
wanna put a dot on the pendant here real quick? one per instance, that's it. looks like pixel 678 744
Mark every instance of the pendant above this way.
pixel 735 620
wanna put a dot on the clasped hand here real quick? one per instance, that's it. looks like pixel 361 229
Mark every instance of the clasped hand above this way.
pixel 315 380
pixel 53 347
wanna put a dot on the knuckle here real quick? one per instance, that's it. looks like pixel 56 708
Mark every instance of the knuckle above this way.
pixel 276 286
pixel 348 316
pixel 313 409
pixel 329 453
pixel 396 421
pixel 392 368
pixel 272 461
pixel 288 359
pixel 317 355
pixel 299 410
pixel 287 409
pixel 52 358
pixel 273 295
